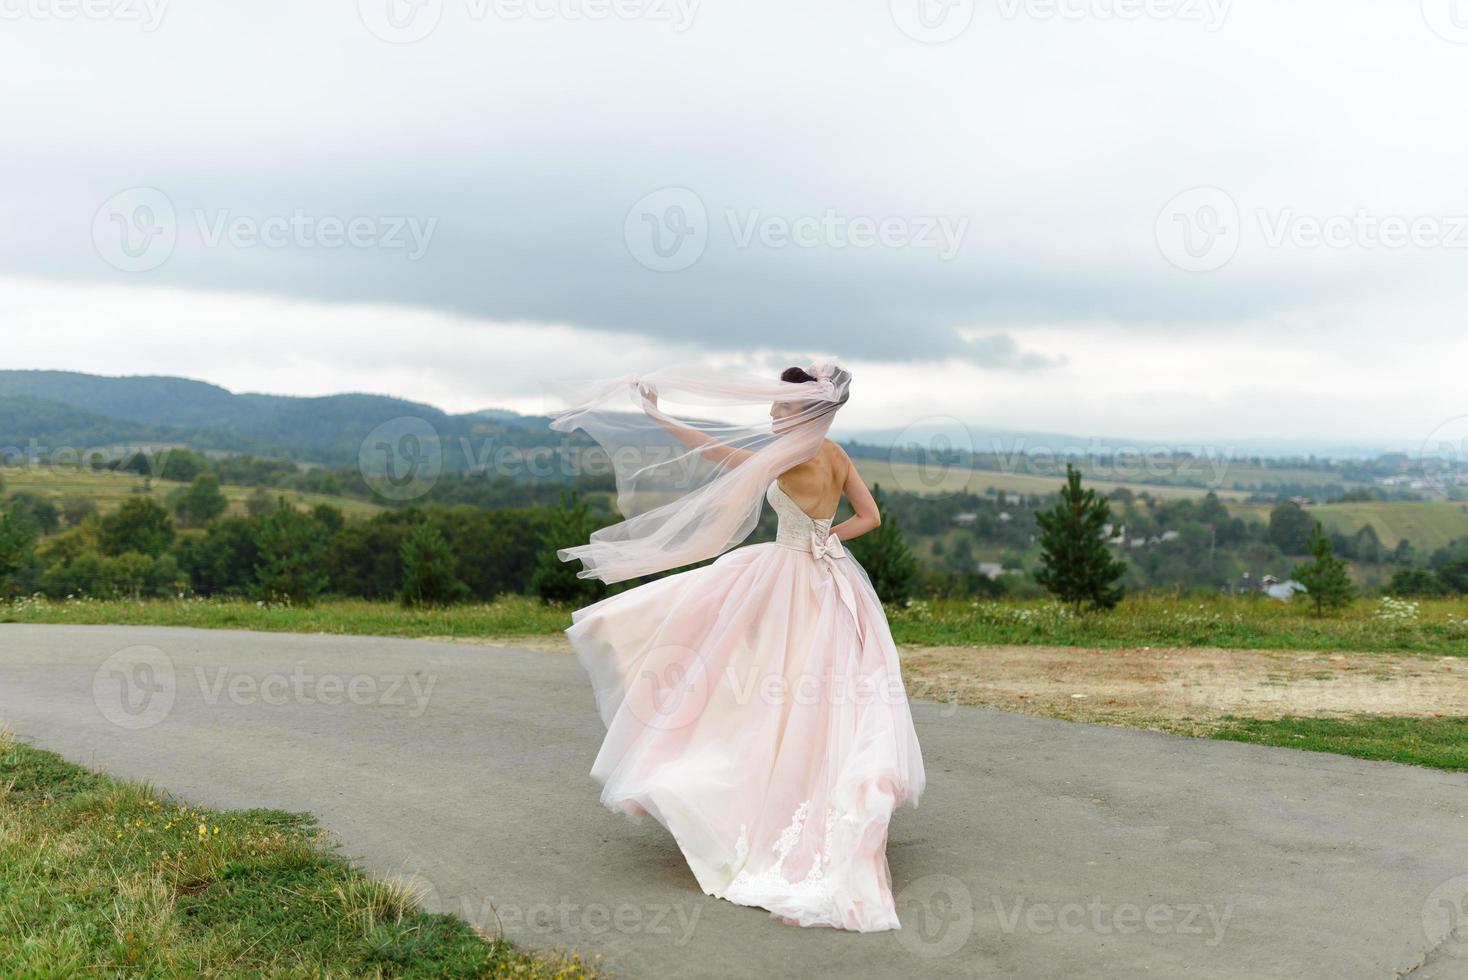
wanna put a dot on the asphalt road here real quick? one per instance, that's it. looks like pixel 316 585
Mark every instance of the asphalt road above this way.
pixel 1042 848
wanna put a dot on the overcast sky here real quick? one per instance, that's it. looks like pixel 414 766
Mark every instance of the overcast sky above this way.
pixel 1163 219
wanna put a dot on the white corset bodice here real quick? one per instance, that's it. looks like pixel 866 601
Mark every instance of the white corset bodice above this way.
pixel 799 531
pixel 796 529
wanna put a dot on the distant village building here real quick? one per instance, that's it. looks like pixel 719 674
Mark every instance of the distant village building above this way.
pixel 1268 585
pixel 1283 591
pixel 966 519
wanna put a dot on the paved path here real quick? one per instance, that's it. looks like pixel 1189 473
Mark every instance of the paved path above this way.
pixel 1042 849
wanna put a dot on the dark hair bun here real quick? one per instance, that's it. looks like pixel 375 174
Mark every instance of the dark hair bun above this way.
pixel 796 375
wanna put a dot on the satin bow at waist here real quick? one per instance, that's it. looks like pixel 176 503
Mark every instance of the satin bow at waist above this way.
pixel 826 548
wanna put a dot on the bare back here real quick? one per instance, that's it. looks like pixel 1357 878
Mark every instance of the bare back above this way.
pixel 816 484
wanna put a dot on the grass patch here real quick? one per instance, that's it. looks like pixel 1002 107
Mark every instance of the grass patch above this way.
pixel 102 877
pixel 1441 743
pixel 1434 626
pixel 506 616
pixel 108 489
pixel 1233 622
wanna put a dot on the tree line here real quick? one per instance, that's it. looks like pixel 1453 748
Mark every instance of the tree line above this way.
pixel 433 554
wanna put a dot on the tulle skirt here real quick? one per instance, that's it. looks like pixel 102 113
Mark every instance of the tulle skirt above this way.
pixel 755 708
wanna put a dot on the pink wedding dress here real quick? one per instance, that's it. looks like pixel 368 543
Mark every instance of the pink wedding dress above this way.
pixel 755 708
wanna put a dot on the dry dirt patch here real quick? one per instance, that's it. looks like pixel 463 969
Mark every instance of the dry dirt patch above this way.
pixel 1188 685
pixel 1174 687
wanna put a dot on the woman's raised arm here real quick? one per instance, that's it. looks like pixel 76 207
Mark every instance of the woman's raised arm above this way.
pixel 706 445
pixel 866 516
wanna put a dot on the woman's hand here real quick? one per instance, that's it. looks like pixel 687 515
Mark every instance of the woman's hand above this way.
pixel 700 442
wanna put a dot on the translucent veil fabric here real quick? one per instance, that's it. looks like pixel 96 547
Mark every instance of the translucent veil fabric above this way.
pixel 688 488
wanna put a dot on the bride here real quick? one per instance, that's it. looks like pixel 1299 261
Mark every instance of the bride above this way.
pixel 754 706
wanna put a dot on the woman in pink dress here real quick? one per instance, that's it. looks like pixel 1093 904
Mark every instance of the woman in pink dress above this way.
pixel 754 706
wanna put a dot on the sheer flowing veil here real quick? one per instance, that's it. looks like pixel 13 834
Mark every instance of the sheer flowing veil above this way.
pixel 688 487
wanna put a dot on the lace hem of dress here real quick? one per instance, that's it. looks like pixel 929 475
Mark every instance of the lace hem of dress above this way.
pixel 814 895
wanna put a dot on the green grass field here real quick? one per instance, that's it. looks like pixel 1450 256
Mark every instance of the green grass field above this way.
pixel 1434 626
pixel 1440 743
pixel 105 878
pixel 1238 622
pixel 110 489
pixel 1231 480
pixel 1427 524
pixel 509 616
pixel 909 478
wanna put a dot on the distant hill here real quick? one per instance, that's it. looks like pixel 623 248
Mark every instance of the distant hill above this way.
pixel 982 439
pixel 152 399
pixel 71 409
pixel 64 408
pixel 26 421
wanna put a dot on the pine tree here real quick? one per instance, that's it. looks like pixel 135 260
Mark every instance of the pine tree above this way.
pixel 139 525
pixel 884 554
pixel 202 501
pixel 430 570
pixel 1076 565
pixel 292 550
pixel 16 542
pixel 1326 577
pixel 553 580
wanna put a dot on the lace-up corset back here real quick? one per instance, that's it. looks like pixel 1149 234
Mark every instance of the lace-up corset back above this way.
pixel 796 528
